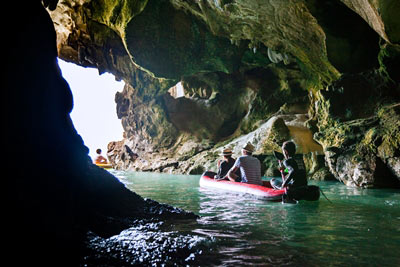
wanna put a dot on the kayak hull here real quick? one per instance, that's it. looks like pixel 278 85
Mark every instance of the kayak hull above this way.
pixel 104 166
pixel 207 181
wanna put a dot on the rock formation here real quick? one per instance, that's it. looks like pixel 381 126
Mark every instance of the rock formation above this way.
pixel 361 141
pixel 203 74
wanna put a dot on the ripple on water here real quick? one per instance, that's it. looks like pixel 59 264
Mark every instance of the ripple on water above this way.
pixel 358 227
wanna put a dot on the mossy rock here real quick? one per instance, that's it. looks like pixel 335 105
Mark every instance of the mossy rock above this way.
pixel 197 170
pixel 276 135
pixel 269 165
pixel 323 174
pixel 171 43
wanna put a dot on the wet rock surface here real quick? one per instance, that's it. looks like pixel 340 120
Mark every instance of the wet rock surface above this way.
pixel 147 243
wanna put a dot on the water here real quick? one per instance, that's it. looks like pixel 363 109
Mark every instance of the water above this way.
pixel 360 228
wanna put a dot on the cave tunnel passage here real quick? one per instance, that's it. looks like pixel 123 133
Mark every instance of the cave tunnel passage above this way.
pixel 94 113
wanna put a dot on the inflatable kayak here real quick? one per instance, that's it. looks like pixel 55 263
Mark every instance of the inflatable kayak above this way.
pixel 266 191
pixel 104 166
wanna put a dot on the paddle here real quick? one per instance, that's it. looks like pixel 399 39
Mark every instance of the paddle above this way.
pixel 324 195
pixel 279 156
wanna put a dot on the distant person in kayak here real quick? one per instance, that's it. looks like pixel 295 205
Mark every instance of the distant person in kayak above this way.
pixel 225 164
pixel 296 176
pixel 249 166
pixel 99 158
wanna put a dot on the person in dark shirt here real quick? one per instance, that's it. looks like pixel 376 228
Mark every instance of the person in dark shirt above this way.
pixel 296 176
pixel 225 164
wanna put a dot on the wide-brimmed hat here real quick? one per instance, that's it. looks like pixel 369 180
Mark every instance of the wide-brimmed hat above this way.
pixel 249 147
pixel 227 152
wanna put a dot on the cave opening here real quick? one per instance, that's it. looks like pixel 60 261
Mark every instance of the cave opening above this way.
pixel 94 112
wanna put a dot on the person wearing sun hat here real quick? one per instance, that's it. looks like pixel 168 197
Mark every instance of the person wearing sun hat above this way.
pixel 225 164
pixel 249 166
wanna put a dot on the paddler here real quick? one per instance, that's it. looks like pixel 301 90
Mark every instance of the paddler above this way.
pixel 225 164
pixel 99 158
pixel 296 177
pixel 249 166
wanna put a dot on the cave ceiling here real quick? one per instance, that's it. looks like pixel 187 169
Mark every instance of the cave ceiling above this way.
pixel 170 39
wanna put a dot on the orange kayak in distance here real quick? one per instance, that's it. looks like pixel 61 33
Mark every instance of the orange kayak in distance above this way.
pixel 104 165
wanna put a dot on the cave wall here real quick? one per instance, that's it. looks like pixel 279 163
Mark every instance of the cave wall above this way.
pixel 239 64
pixel 380 15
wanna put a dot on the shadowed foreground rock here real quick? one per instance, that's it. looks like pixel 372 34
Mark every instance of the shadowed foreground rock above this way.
pixel 55 195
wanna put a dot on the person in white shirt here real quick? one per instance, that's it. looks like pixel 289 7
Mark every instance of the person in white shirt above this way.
pixel 99 158
pixel 250 167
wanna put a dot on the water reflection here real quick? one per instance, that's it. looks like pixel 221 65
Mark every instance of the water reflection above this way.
pixel 254 230
pixel 243 229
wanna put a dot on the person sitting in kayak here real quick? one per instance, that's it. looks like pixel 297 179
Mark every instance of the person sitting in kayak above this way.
pixel 99 158
pixel 249 166
pixel 296 176
pixel 225 164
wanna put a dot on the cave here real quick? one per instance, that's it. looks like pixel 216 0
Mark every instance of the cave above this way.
pixel 218 52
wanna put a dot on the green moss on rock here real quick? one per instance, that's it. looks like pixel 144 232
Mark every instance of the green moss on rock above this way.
pixel 389 117
pixel 116 14
pixel 361 142
pixel 276 135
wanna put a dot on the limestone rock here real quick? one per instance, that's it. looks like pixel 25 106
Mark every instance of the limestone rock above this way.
pixel 394 165
pixel 323 174
pixel 361 142
pixel 280 25
pixel 236 64
pixel 205 113
pixel 266 138
pixel 380 15
pixel 365 172
pixel 277 133
pixel 290 127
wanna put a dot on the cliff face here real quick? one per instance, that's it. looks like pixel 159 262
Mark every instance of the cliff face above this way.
pixel 204 74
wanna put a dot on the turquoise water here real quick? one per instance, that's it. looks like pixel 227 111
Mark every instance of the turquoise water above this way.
pixel 359 228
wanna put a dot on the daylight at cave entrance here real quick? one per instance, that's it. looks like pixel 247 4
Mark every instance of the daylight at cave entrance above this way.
pixel 94 112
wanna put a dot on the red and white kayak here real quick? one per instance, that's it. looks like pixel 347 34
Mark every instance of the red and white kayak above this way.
pixel 266 191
